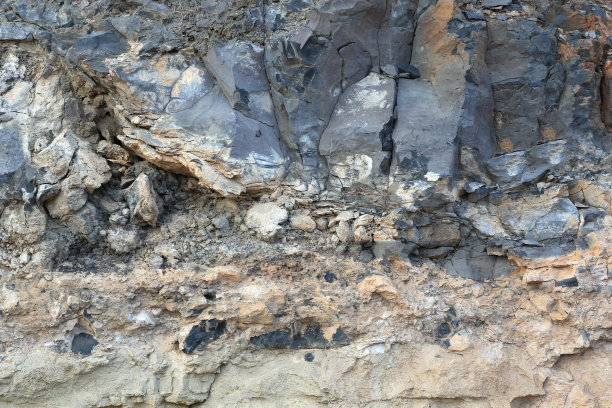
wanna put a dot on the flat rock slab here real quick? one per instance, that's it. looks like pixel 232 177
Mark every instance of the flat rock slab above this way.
pixel 495 3
pixel 424 136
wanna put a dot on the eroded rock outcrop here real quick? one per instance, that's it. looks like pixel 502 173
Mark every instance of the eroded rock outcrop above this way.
pixel 338 203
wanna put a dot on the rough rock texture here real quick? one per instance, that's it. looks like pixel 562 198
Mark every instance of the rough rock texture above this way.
pixel 345 203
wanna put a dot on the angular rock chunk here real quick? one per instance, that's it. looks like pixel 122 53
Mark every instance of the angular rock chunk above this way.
pixel 87 173
pixel 239 70
pixel 539 216
pixel 83 343
pixel 12 31
pixel 200 133
pixel 142 200
pixel 357 142
pixel 310 65
pixel 11 154
pixel 53 162
pixel 495 3
pixel 303 222
pixel 265 219
pixel 96 49
pixel 24 223
pixel 123 240
pixel 203 333
pixel 527 166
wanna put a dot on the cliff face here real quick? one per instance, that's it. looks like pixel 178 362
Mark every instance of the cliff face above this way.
pixel 349 203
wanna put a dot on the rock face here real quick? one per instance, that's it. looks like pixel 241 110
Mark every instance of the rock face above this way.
pixel 346 203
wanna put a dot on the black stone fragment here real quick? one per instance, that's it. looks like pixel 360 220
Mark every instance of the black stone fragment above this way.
pixel 203 333
pixel 340 338
pixel 311 338
pixel 309 357
pixel 408 71
pixel 83 343
pixel 444 330
pixel 386 136
pixel 330 277
pixel 570 282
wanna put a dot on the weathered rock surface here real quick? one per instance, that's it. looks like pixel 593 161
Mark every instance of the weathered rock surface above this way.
pixel 341 203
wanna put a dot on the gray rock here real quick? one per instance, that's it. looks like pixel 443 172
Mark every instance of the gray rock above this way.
pixel 425 134
pixel 388 249
pixel 475 264
pixel 123 240
pixel 539 216
pixel 495 3
pixel 344 231
pixel 142 200
pixel 221 222
pixel 513 169
pixel 201 134
pixel 357 141
pixel 96 49
pixel 239 71
pixel 439 234
pixel 53 162
pixel 23 222
pixel 526 78
pixel 12 31
pixel 265 219
pixel 12 156
pixel 475 14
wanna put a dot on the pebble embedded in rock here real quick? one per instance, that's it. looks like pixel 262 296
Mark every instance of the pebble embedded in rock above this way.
pixel 83 343
pixel 303 222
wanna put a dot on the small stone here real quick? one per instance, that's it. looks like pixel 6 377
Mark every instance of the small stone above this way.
pixel 221 222
pixel 265 219
pixel 303 222
pixel 343 231
pixel 329 277
pixel 142 200
pixel 309 357
pixel 156 262
pixel 123 240
pixel 380 285
pixel 83 343
pixel 321 224
pixel 24 258
pixel 409 71
pixel 459 342
pixel 366 256
pixel 362 235
pixel 475 14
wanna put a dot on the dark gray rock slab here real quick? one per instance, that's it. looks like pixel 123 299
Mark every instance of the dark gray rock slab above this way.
pixel 357 141
pixel 527 166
